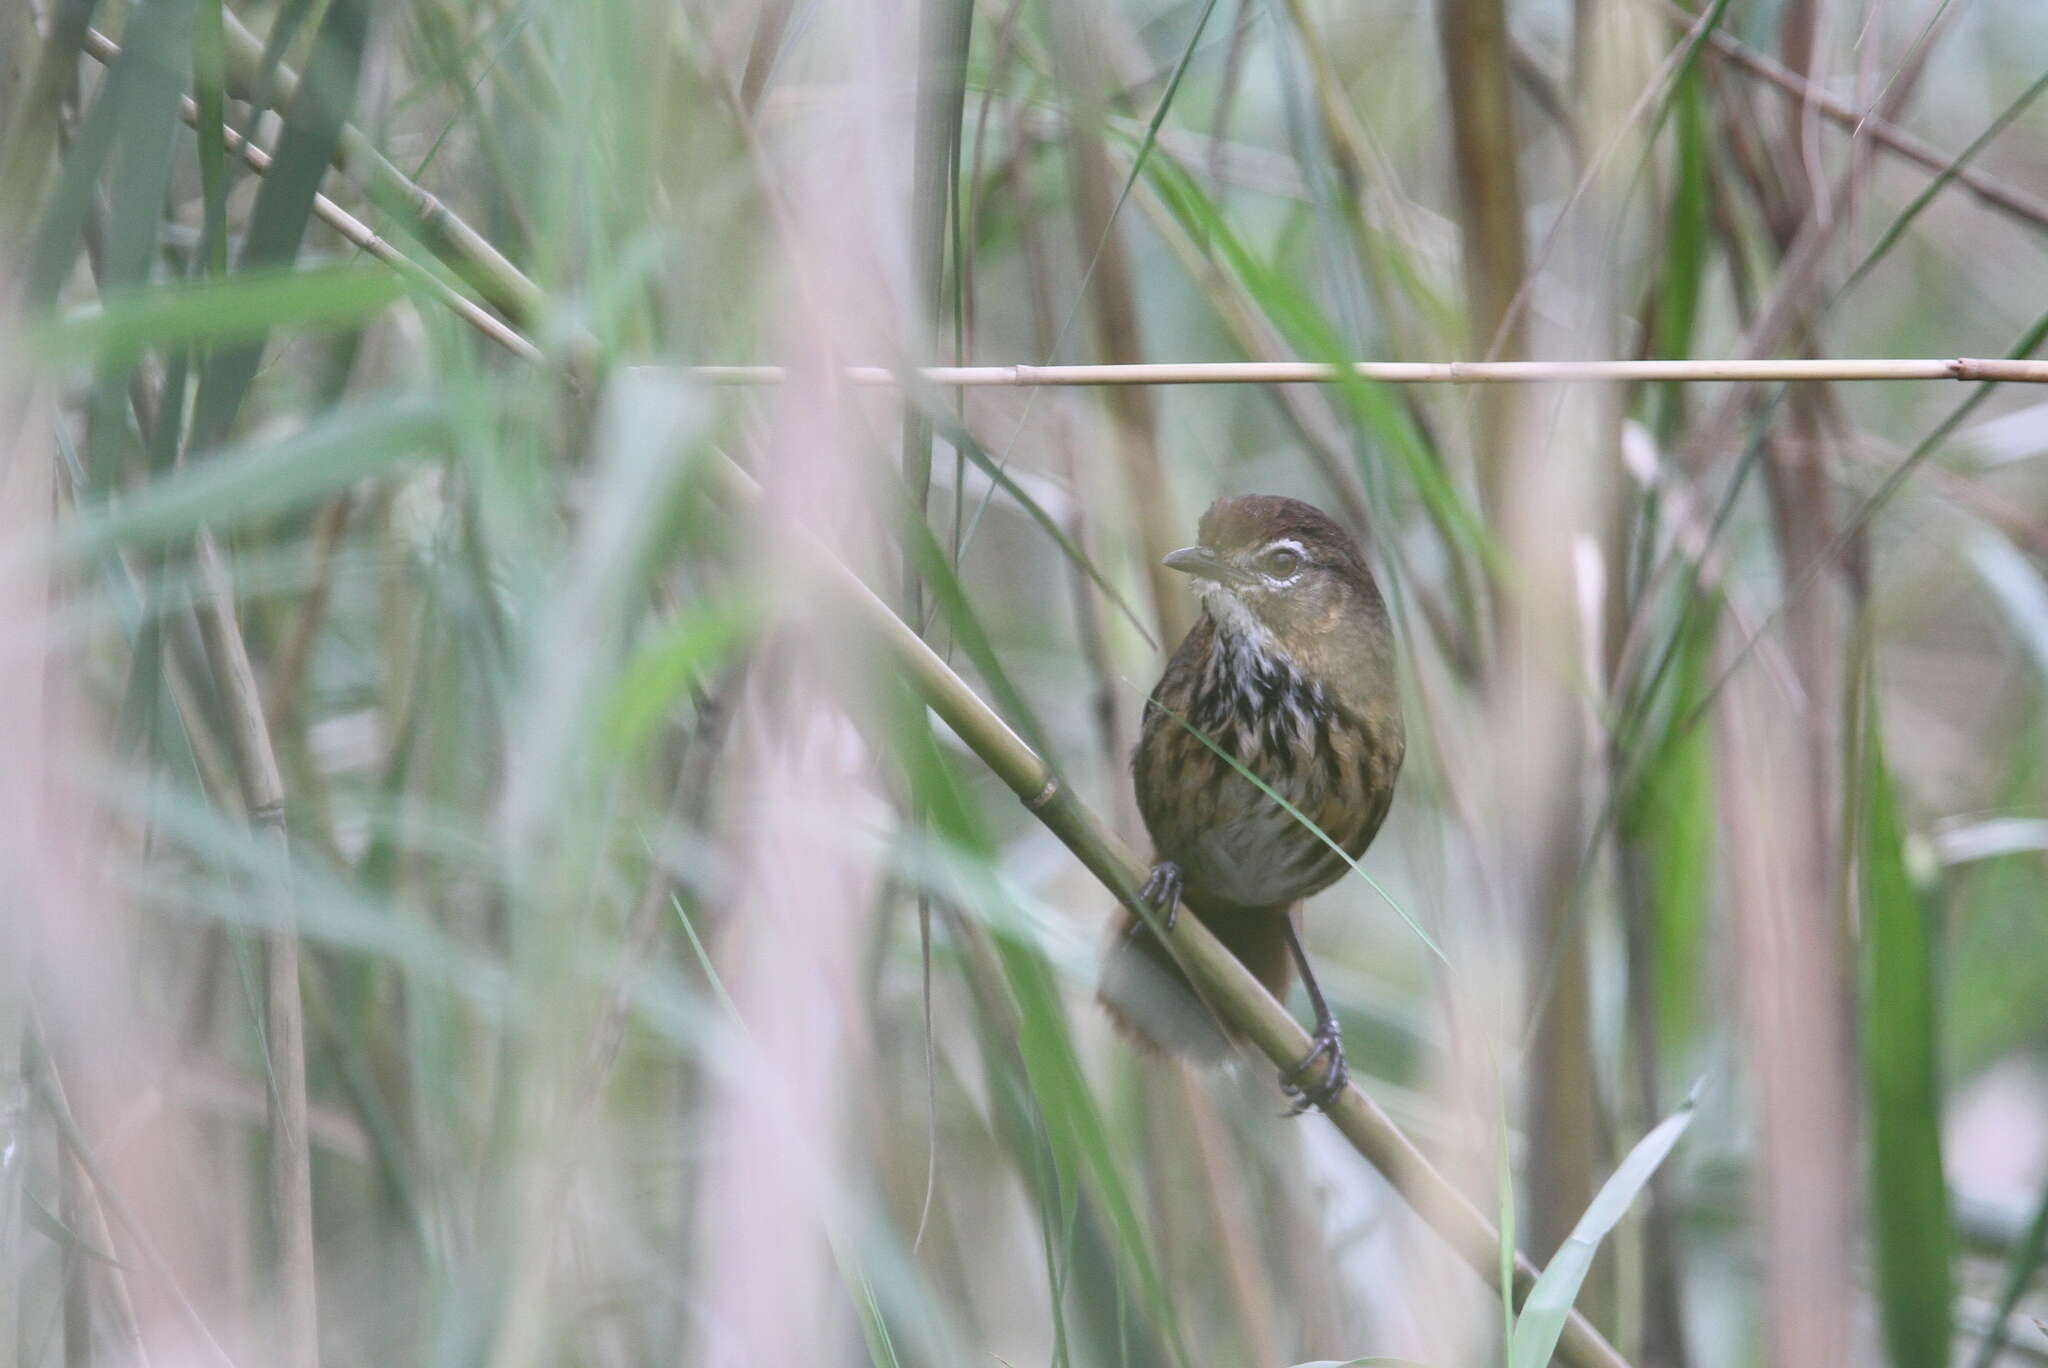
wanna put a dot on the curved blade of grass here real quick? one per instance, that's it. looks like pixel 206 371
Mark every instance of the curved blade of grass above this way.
pixel 1298 815
pixel 1549 1302
pixel 1908 1192
pixel 964 441
pixel 2018 589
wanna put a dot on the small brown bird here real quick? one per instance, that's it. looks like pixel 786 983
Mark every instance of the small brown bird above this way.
pixel 1291 671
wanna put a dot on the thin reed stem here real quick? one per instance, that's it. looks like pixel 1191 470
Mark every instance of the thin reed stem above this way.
pixel 1965 368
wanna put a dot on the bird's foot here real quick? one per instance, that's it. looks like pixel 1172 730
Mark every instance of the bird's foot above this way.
pixel 1328 1051
pixel 1162 891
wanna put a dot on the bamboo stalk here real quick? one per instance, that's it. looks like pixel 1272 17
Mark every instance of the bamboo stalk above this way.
pixel 291 1160
pixel 1965 368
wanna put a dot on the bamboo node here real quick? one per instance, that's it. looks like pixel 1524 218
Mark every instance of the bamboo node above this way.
pixel 1045 795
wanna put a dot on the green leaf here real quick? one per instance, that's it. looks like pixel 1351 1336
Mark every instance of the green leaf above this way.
pixel 664 666
pixel 1549 1304
pixel 1669 813
pixel 258 481
pixel 237 309
pixel 284 202
pixel 964 442
pixel 1908 1192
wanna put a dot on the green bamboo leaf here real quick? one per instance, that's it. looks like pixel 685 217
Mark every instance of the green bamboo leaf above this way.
pixel 930 561
pixel 664 666
pixel 1686 241
pixel 1549 1303
pixel 60 230
pixel 263 479
pixel 1669 812
pixel 1897 228
pixel 1908 1192
pixel 209 74
pixel 238 309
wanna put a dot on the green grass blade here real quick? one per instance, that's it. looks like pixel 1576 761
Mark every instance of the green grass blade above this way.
pixel 964 442
pixel 254 482
pixel 284 202
pixel 239 309
pixel 664 666
pixel 209 74
pixel 1549 1303
pixel 1908 1193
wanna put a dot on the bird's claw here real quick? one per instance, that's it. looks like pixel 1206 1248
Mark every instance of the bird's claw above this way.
pixel 1336 1075
pixel 1162 891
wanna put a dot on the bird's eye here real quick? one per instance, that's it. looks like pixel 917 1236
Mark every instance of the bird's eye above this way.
pixel 1281 562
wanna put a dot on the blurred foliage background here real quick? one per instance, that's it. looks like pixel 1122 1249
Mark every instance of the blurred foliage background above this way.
pixel 478 890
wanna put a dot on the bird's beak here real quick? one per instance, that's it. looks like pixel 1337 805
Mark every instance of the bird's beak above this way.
pixel 1200 562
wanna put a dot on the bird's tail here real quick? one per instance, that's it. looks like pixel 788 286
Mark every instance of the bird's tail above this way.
pixel 1148 995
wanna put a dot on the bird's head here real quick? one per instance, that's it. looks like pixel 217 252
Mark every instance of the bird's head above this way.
pixel 1278 572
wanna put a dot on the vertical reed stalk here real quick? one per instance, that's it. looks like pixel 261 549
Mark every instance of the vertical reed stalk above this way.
pixel 297 1342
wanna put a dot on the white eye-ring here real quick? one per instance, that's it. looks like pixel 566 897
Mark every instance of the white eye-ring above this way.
pixel 1281 562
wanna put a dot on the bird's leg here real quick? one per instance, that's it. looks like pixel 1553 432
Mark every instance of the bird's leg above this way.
pixel 1162 891
pixel 1329 1042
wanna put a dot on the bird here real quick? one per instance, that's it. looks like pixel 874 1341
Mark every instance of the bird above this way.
pixel 1291 671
